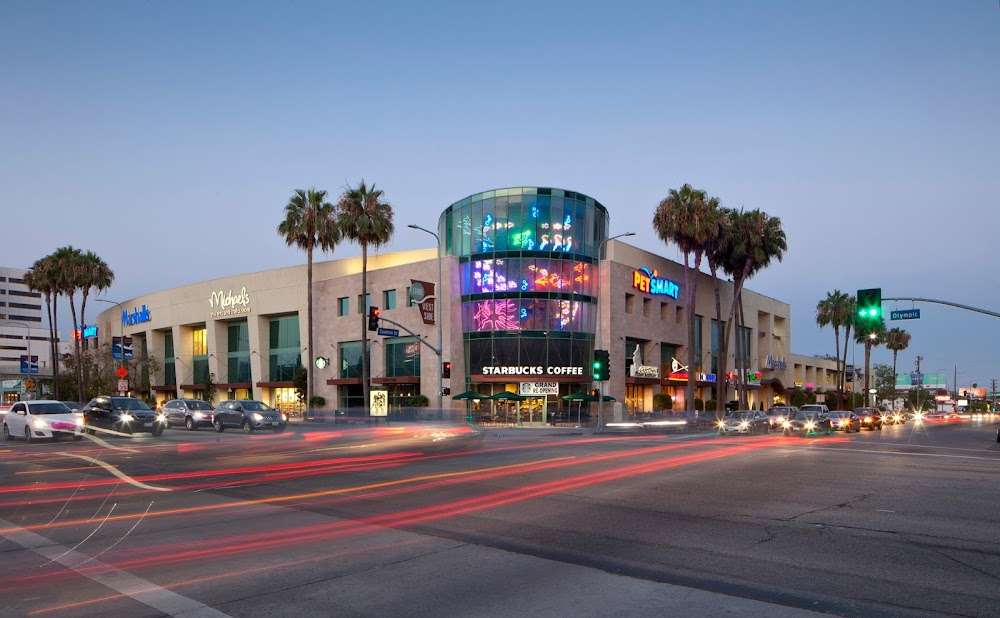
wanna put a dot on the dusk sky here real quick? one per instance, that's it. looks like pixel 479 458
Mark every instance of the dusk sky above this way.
pixel 168 136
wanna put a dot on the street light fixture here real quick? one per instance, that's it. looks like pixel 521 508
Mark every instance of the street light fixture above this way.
pixel 440 320
pixel 600 333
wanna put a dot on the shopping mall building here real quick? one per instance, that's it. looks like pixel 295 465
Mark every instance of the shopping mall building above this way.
pixel 531 287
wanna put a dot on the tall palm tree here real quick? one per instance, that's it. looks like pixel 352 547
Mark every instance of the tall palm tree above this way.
pixel 66 279
pixel 310 222
pixel 685 218
pixel 94 273
pixel 830 312
pixel 715 255
pixel 849 312
pixel 756 238
pixel 896 340
pixel 871 333
pixel 366 218
pixel 40 278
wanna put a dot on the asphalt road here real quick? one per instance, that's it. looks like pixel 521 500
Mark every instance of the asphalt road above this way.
pixel 323 521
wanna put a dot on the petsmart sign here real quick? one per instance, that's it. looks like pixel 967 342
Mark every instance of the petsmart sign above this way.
pixel 650 283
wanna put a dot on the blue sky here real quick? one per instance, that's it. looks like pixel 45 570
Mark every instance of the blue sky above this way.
pixel 167 136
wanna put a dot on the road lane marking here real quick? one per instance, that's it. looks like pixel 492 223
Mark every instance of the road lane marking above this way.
pixel 145 592
pixel 117 472
pixel 109 445
pixel 888 452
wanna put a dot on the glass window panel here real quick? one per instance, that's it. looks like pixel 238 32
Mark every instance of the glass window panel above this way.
pixel 343 306
pixel 199 342
pixel 389 299
pixel 402 357
pixel 500 224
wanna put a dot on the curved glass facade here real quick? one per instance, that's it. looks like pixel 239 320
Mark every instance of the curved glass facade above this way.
pixel 527 277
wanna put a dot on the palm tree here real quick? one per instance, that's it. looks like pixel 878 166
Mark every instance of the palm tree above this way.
pixel 715 255
pixel 310 222
pixel 66 278
pixel 40 278
pixel 871 333
pixel 756 238
pixel 685 218
pixel 830 312
pixel 94 273
pixel 365 218
pixel 896 340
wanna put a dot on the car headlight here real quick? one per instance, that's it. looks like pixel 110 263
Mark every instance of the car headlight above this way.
pixel 786 424
pixel 868 419
pixel 38 423
pixel 810 425
pixel 127 417
pixel 79 421
pixel 722 424
pixel 284 417
pixel 198 415
pixel 257 416
pixel 744 425
pixel 161 418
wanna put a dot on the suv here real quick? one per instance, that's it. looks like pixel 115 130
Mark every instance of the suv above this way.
pixel 816 408
pixel 192 413
pixel 870 417
pixel 122 415
pixel 779 414
pixel 248 415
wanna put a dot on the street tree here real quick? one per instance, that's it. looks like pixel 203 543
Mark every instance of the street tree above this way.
pixel 310 222
pixel 366 218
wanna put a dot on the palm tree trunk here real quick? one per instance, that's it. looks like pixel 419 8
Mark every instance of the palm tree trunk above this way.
pixel 54 323
pixel 83 340
pixel 743 379
pixel 692 285
pixel 365 386
pixel 843 380
pixel 721 350
pixel 836 349
pixel 868 356
pixel 309 326
pixel 78 349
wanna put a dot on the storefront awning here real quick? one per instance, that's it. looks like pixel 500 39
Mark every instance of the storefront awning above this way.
pixel 775 385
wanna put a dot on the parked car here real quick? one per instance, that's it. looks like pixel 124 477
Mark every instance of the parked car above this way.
pixel 809 422
pixel 870 417
pixel 249 415
pixel 845 421
pixel 189 413
pixel 745 421
pixel 123 415
pixel 780 414
pixel 815 408
pixel 43 418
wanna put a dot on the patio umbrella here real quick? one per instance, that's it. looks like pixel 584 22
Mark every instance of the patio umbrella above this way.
pixel 581 397
pixel 507 395
pixel 608 398
pixel 470 395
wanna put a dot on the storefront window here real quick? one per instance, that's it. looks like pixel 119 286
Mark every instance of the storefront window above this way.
pixel 402 357
pixel 238 357
pixel 350 359
pixel 169 366
pixel 285 353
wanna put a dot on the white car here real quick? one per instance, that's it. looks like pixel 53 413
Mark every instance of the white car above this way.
pixel 42 419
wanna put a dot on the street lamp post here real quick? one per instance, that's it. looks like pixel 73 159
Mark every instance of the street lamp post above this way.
pixel 28 338
pixel 600 332
pixel 121 342
pixel 439 316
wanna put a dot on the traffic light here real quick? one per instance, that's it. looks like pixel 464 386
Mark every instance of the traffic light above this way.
pixel 373 314
pixel 870 304
pixel 446 369
pixel 595 393
pixel 602 365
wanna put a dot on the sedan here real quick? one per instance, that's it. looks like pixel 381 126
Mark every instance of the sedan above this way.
pixel 745 421
pixel 809 423
pixel 123 415
pixel 249 415
pixel 844 421
pixel 42 419
pixel 870 417
pixel 189 413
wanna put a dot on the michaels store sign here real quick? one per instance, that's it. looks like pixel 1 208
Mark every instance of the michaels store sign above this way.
pixel 226 303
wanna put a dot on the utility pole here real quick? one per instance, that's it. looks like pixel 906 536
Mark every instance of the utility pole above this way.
pixel 993 390
pixel 954 382
pixel 920 378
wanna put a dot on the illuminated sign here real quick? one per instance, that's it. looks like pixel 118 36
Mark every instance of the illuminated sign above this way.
pixel 137 316
pixel 526 275
pixel 227 303
pixel 534 232
pixel 699 377
pixel 645 371
pixel 537 389
pixel 532 370
pixel 650 283
pixel 524 314
pixel 778 363
pixel 87 332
